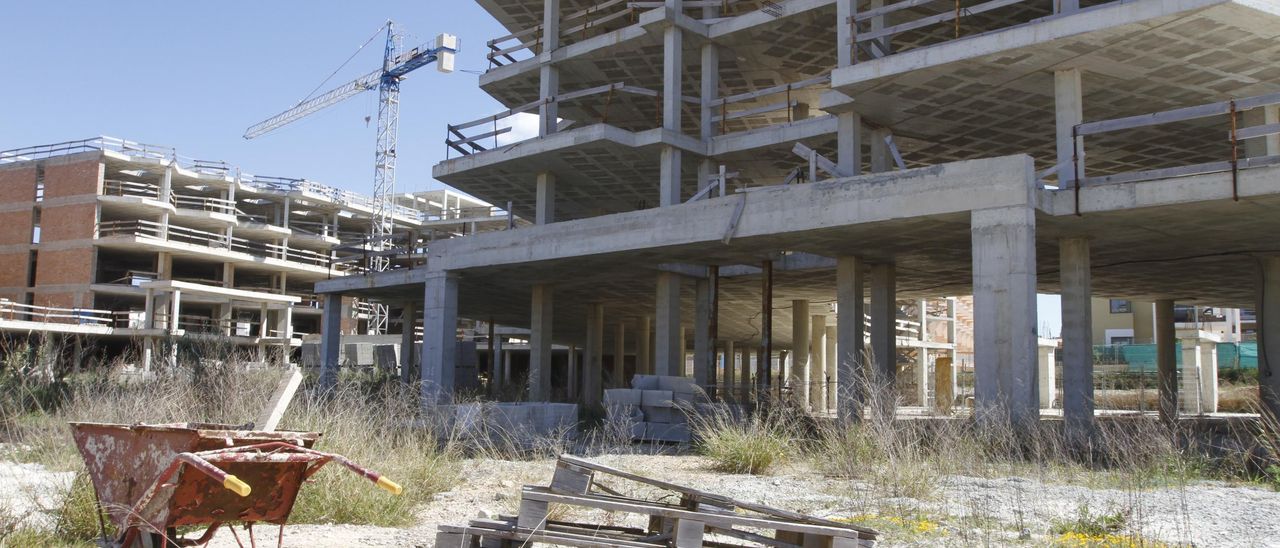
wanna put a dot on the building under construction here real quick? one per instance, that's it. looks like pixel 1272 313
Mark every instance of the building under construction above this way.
pixel 766 179
pixel 123 242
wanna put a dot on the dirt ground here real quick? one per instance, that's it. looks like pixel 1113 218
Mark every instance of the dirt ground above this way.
pixel 958 511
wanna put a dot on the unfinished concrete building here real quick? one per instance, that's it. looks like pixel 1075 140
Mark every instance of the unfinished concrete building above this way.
pixel 740 176
pixel 121 241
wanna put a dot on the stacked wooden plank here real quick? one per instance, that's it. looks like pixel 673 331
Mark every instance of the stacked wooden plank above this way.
pixel 698 518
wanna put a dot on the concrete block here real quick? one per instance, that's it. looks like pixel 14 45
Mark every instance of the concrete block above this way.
pixel 667 432
pixel 679 385
pixel 386 356
pixel 666 415
pixel 657 398
pixel 644 382
pixel 623 396
pixel 310 355
pixel 358 354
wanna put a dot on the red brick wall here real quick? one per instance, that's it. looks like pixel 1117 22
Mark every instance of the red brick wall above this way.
pixel 68 266
pixel 18 184
pixel 68 222
pixel 13 270
pixel 73 179
pixel 15 227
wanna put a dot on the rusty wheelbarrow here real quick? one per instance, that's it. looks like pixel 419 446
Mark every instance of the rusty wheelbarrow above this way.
pixel 151 479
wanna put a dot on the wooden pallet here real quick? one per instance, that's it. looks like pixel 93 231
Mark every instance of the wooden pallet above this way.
pixel 698 519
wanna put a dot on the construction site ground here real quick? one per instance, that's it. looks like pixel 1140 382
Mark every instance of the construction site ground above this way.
pixel 1000 509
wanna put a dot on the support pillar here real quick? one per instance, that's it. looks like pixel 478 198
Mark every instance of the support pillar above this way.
pixel 881 160
pixel 744 373
pixel 439 338
pixel 549 74
pixel 592 364
pixel 619 356
pixel 884 331
pixel 1069 112
pixel 1209 376
pixel 573 370
pixel 330 341
pixel 1004 302
pixel 175 303
pixel 545 208
pixel 644 345
pixel 798 376
pixel 817 362
pixel 922 356
pixel 764 365
pixel 1189 388
pixel 729 375
pixel 1077 334
pixel 845 11
pixel 667 356
pixel 849 141
pixel 672 95
pixel 540 343
pixel 851 313
pixel 704 350
pixel 1166 361
pixel 1047 364
pixel 830 359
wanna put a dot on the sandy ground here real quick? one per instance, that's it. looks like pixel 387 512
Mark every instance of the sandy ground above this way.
pixel 968 511
pixel 26 490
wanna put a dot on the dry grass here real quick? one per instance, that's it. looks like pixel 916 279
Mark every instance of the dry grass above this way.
pixel 751 445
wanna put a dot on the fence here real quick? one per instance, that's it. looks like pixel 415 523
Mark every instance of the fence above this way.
pixel 214 241
pixel 128 148
pixel 1141 358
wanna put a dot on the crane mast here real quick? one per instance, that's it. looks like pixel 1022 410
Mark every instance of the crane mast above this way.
pixel 395 65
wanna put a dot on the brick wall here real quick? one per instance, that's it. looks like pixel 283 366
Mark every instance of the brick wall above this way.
pixel 72 179
pixel 18 184
pixel 65 266
pixel 68 222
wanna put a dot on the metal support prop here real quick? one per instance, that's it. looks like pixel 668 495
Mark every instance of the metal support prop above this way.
pixel 764 366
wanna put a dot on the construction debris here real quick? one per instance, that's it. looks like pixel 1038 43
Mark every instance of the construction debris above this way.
pixel 698 519
pixel 656 408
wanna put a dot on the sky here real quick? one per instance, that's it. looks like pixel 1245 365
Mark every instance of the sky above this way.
pixel 194 75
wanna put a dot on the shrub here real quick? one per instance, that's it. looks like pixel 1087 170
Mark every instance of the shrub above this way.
pixel 751 446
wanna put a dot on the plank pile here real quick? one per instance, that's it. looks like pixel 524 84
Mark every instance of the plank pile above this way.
pixel 697 519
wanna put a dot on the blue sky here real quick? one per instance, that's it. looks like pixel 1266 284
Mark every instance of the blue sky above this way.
pixel 194 75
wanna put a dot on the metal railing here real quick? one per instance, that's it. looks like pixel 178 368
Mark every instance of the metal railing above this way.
pixel 214 241
pixel 116 187
pixel 14 311
pixel 784 91
pixel 132 149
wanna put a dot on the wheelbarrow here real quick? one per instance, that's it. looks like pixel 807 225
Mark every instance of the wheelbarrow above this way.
pixel 150 479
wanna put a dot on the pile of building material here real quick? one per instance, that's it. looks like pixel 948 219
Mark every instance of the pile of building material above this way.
pixel 698 518
pixel 519 424
pixel 655 407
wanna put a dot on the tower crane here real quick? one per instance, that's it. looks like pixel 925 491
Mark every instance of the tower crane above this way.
pixel 396 64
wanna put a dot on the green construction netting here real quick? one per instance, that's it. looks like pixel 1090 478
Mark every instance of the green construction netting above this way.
pixel 1142 357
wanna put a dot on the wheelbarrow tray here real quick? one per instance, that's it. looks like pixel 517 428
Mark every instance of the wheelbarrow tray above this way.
pixel 125 461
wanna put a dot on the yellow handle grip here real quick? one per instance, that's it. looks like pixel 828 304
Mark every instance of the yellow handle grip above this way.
pixel 391 486
pixel 238 487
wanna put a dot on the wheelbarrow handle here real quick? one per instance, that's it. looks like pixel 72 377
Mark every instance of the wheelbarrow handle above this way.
pixel 229 481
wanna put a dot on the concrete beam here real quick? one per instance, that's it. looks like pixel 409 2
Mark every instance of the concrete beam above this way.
pixel 1268 314
pixel 540 329
pixel 1077 334
pixel 850 308
pixel 1004 301
pixel 439 338
pixel 1166 361
pixel 667 356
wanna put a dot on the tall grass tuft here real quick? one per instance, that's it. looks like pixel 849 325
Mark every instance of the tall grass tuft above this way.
pixel 753 445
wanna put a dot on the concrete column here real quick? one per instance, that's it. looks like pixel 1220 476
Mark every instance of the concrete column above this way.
pixel 684 352
pixel 175 303
pixel 549 74
pixel 540 325
pixel 644 344
pixel 286 334
pixel 545 207
pixel 1166 361
pixel 710 88
pixel 1189 388
pixel 704 351
pixel 330 341
pixel 817 362
pixel 798 374
pixel 1004 302
pixel 439 338
pixel 881 160
pixel 884 331
pixel 620 356
pixel 728 376
pixel 1077 333
pixel 672 94
pixel 1069 111
pixel 408 317
pixel 667 357
pixel 1261 146
pixel 922 357
pixel 166 192
pixel 572 388
pixel 845 10
pixel 851 312
pixel 849 138
pixel 1208 376
pixel 745 370
pixel 830 359
pixel 592 353
pixel 1047 363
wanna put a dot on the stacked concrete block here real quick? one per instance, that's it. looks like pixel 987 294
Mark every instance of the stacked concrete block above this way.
pixel 386 356
pixel 357 354
pixel 655 407
pixel 523 424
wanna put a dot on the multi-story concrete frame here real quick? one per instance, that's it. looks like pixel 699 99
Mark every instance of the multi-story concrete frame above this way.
pixel 112 238
pixel 994 148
